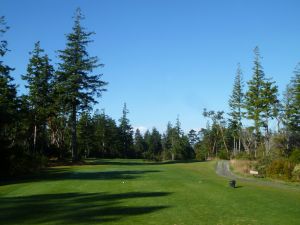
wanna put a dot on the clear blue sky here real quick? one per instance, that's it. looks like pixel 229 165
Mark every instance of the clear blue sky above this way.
pixel 163 57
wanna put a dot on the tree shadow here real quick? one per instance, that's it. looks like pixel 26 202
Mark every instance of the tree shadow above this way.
pixel 74 208
pixel 135 162
pixel 56 174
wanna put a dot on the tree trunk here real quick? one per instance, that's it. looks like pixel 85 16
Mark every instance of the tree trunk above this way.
pixel 173 156
pixel 214 151
pixel 222 134
pixel 34 138
pixel 74 134
pixel 234 145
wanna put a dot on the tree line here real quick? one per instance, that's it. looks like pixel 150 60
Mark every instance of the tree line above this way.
pixel 55 120
pixel 276 152
pixel 46 118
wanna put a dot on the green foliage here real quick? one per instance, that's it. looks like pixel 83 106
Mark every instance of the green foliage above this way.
pixel 280 168
pixel 154 145
pixel 177 145
pixel 236 101
pixel 296 172
pixel 262 165
pixel 254 95
pixel 126 134
pixel 85 131
pixel 201 152
pixel 223 154
pixel 8 95
pixel 218 130
pixel 140 145
pixel 193 137
pixel 17 162
pixel 244 155
pixel 75 85
pixel 295 156
pixel 39 79
pixel 292 103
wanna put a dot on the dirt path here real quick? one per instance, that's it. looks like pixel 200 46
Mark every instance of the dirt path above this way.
pixel 223 169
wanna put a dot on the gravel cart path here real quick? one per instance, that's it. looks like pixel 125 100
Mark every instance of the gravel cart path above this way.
pixel 223 169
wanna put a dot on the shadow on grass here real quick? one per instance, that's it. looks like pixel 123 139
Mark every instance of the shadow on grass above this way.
pixel 66 173
pixel 57 174
pixel 74 208
pixel 122 162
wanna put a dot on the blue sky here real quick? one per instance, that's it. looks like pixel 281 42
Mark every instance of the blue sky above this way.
pixel 163 57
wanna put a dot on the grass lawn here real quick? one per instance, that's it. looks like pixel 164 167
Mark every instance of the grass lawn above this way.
pixel 134 192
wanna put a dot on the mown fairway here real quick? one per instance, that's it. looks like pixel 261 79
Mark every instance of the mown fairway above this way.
pixel 134 192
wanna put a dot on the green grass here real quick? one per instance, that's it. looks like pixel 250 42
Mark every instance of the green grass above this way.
pixel 134 192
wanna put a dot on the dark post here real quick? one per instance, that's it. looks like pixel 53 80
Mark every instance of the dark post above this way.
pixel 232 183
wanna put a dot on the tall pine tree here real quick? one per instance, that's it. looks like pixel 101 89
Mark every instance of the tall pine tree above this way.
pixel 75 83
pixel 126 132
pixel 236 102
pixel 39 79
pixel 254 96
pixel 139 144
pixel 260 100
pixel 292 103
pixel 8 93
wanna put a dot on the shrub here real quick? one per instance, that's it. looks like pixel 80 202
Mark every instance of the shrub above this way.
pixel 223 155
pixel 241 165
pixel 296 172
pixel 201 152
pixel 280 168
pixel 295 156
pixel 262 165
pixel 244 155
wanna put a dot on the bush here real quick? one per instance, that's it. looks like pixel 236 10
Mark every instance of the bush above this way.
pixel 201 155
pixel 244 155
pixel 295 156
pixel 18 162
pixel 223 155
pixel 280 168
pixel 201 152
pixel 296 172
pixel 262 165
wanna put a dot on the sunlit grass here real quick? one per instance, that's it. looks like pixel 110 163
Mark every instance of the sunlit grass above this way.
pixel 135 192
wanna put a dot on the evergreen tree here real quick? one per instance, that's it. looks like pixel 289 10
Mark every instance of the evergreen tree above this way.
pixel 292 102
pixel 39 77
pixel 254 98
pixel 75 84
pixel 180 146
pixel 167 142
pixel 260 100
pixel 112 139
pixel 86 138
pixel 99 121
pixel 107 140
pixel 139 144
pixel 155 145
pixel 218 127
pixel 270 109
pixel 8 94
pixel 193 137
pixel 147 138
pixel 126 134
pixel 236 102
pixel 291 112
